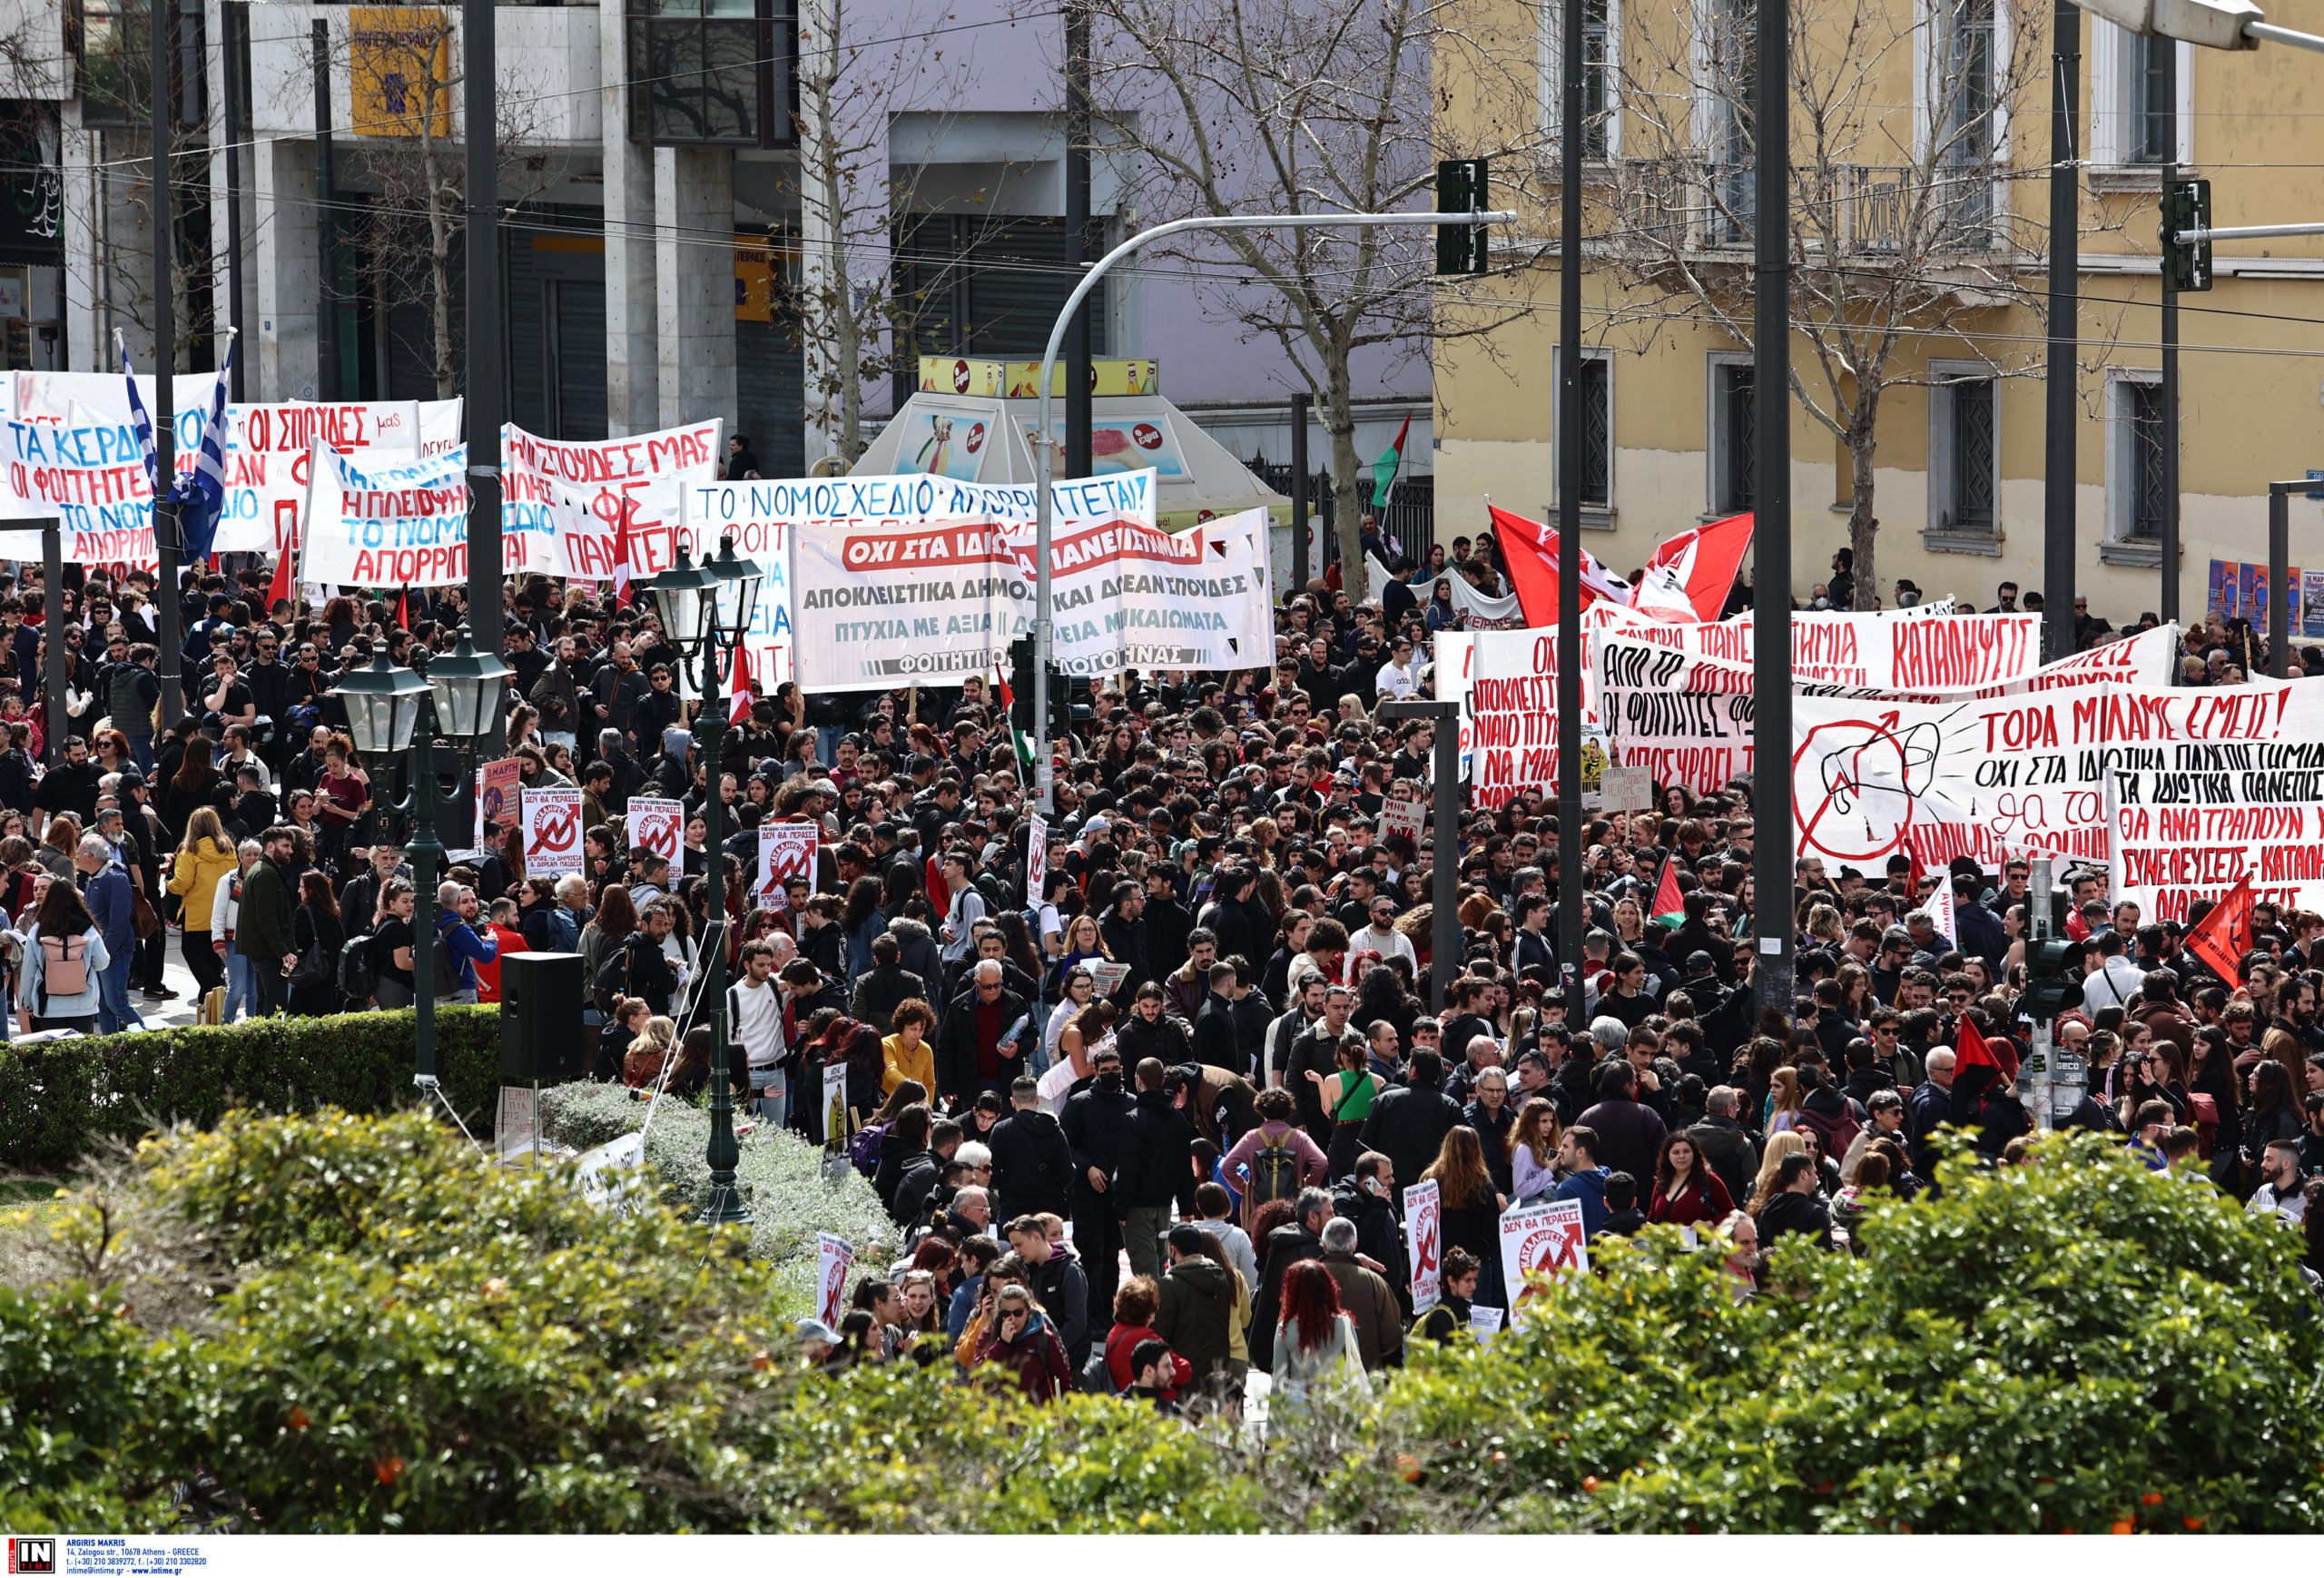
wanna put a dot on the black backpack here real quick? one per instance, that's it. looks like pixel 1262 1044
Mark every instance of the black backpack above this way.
pixel 357 977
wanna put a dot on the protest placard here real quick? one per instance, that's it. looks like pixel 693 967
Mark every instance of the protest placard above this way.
pixel 786 850
pixel 1546 1239
pixel 838 1119
pixel 89 478
pixel 1037 857
pixel 835 1258
pixel 375 520
pixel 1424 1229
pixel 1402 817
pixel 496 784
pixel 657 824
pixel 552 831
pixel 1486 1322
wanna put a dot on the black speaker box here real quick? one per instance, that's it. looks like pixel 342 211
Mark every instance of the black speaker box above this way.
pixel 540 1018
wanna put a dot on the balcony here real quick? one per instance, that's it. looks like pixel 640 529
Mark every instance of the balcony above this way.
pixel 1697 207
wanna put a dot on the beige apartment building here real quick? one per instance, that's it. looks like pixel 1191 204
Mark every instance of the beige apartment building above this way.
pixel 1921 152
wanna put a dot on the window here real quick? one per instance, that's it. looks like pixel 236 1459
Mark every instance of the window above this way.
pixel 1964 452
pixel 2132 110
pixel 2136 495
pixel 713 71
pixel 1601 59
pixel 1734 426
pixel 1729 66
pixel 1594 379
pixel 976 284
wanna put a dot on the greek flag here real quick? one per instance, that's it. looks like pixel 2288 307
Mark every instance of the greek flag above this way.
pixel 201 492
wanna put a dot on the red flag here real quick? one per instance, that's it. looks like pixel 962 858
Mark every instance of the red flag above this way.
pixel 279 591
pixel 1689 577
pixel 403 609
pixel 1972 1051
pixel 1529 552
pixel 1670 907
pixel 742 693
pixel 2224 936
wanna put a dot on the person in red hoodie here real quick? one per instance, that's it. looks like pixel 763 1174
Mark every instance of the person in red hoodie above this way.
pixel 1136 1303
pixel 503 928
pixel 1687 1192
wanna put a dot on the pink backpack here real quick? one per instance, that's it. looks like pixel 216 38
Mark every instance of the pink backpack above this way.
pixel 65 966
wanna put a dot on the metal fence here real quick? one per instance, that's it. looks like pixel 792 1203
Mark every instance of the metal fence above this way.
pixel 1850 210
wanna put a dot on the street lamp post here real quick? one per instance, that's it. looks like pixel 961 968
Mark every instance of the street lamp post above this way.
pixel 391 709
pixel 705 610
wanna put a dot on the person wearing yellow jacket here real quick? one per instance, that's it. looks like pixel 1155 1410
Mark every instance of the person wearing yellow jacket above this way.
pixel 908 1054
pixel 204 858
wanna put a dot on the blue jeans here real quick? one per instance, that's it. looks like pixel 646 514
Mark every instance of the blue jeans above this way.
pixel 114 1010
pixel 140 751
pixel 240 996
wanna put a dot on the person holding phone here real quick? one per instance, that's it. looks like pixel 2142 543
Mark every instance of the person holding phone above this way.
pixel 1022 1340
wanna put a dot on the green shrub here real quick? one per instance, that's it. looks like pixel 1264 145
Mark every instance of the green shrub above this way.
pixel 61 1100
pixel 2075 1343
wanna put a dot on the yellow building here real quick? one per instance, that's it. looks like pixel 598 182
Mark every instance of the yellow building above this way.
pixel 1921 139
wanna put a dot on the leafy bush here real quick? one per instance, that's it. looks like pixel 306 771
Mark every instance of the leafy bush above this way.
pixel 2075 1344
pixel 330 1322
pixel 781 1177
pixel 61 1100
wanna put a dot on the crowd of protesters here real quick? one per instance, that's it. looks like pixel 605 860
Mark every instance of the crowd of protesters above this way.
pixel 1150 1126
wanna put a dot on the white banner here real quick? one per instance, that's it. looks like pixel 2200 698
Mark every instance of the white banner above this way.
pixel 1993 776
pixel 92 478
pixel 385 522
pixel 1424 1229
pixel 657 824
pixel 552 819
pixel 2216 815
pixel 899 580
pixel 269 461
pixel 1546 1239
pixel 786 850
pixel 566 504
pixel 744 511
pixel 835 1258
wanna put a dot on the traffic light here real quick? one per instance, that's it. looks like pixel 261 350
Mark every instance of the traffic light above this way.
pixel 1021 683
pixel 2186 206
pixel 2052 984
pixel 1460 188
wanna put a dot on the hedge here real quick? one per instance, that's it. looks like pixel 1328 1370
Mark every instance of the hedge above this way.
pixel 61 1100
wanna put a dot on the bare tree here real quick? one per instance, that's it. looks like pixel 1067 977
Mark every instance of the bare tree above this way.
pixel 1308 107
pixel 1909 238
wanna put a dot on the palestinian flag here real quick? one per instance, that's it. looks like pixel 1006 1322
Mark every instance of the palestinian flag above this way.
pixel 1391 461
pixel 1017 742
pixel 1670 908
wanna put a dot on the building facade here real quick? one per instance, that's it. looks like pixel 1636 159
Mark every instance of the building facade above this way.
pixel 1921 151
pixel 658 256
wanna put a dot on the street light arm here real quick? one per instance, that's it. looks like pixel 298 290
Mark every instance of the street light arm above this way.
pixel 1044 768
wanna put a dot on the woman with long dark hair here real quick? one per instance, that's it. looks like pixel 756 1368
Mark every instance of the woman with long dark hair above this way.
pixel 1315 1343
pixel 860 922
pixel 1470 1206
pixel 319 935
pixel 1687 1192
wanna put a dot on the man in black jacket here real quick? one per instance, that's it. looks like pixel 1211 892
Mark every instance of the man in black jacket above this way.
pixel 1123 926
pixel 1366 1199
pixel 887 983
pixel 1929 1108
pixel 1217 1042
pixel 1097 1127
pixel 1725 1148
pixel 1032 1163
pixel 1409 1126
pixel 971 1053
pixel 1153 1174
pixel 1061 1280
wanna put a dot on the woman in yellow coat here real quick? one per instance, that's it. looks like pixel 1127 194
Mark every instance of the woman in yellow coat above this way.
pixel 908 1054
pixel 204 858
